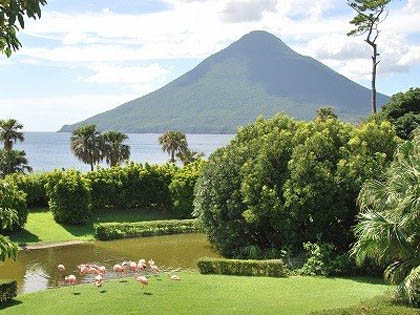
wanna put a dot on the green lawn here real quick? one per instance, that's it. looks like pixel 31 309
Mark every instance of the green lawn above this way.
pixel 200 294
pixel 41 227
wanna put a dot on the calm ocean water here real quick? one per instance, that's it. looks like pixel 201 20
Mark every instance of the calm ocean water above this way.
pixel 50 150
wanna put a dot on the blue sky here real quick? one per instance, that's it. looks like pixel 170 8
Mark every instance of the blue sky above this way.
pixel 87 56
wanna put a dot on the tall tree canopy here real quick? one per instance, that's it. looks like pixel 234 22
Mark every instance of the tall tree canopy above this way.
pixel 10 133
pixel 114 151
pixel 173 142
pixel 370 14
pixel 85 144
pixel 12 19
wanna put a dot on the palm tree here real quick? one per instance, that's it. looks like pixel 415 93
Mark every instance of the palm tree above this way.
pixel 13 162
pixel 188 156
pixel 10 134
pixel 389 226
pixel 85 144
pixel 173 142
pixel 112 147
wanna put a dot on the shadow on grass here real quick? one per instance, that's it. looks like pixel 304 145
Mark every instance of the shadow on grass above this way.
pixel 23 237
pixel 9 304
pixel 147 293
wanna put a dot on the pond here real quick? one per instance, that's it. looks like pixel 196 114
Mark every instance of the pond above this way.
pixel 36 270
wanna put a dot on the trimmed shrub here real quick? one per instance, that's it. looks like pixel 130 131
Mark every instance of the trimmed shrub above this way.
pixel 13 199
pixel 235 267
pixel 182 189
pixel 111 231
pixel 33 185
pixel 131 186
pixel 69 197
pixel 8 290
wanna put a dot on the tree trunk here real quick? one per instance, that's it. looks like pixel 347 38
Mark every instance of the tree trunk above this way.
pixel 172 156
pixel 374 68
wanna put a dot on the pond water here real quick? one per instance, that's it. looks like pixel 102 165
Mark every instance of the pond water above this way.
pixel 36 270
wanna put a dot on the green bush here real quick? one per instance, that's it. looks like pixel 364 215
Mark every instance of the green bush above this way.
pixel 13 199
pixel 282 182
pixel 182 189
pixel 131 186
pixel 69 197
pixel 110 231
pixel 33 185
pixel 259 268
pixel 8 291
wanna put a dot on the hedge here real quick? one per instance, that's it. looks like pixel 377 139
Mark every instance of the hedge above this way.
pixel 33 185
pixel 8 291
pixel 259 268
pixel 14 199
pixel 111 231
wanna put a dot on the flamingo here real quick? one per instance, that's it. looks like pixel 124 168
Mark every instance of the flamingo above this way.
pixel 151 263
pixel 102 269
pixel 99 281
pixel 118 269
pixel 142 265
pixel 155 269
pixel 133 266
pixel 61 268
pixel 175 278
pixel 71 280
pixel 143 280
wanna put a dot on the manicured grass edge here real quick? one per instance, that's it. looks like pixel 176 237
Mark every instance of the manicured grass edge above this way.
pixel 111 231
pixel 236 267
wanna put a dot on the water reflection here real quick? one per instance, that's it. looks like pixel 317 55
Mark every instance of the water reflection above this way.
pixel 36 270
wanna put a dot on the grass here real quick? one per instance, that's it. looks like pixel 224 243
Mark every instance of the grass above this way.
pixel 200 294
pixel 41 227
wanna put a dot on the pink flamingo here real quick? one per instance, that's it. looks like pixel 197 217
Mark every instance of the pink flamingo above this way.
pixel 155 269
pixel 143 280
pixel 133 266
pixel 71 280
pixel 99 281
pixel 142 265
pixel 118 269
pixel 151 262
pixel 102 270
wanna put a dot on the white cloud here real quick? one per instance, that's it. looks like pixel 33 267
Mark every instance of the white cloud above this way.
pixel 139 79
pixel 246 11
pixel 50 113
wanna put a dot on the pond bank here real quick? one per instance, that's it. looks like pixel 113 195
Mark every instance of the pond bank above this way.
pixel 50 245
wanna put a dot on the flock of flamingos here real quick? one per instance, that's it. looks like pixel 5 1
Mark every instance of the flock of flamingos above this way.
pixel 99 272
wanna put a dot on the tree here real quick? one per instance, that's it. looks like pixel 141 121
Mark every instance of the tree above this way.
pixel 324 113
pixel 85 144
pixel 12 14
pixel 370 14
pixel 10 133
pixel 403 111
pixel 173 142
pixel 112 147
pixel 389 227
pixel 13 162
pixel 188 156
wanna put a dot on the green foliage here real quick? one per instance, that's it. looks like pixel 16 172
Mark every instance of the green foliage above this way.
pixel 12 16
pixel 111 231
pixel 173 142
pixel 8 291
pixel 12 199
pixel 403 111
pixel 131 186
pixel 13 161
pixel 33 185
pixel 182 189
pixel 85 144
pixel 69 195
pixel 281 183
pixel 113 150
pixel 235 267
pixel 389 226
pixel 325 113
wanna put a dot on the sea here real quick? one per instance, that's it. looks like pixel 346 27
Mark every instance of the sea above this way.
pixel 47 151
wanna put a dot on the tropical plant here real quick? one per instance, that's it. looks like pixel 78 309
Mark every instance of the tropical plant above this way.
pixel 113 150
pixel 13 12
pixel 10 133
pixel 403 111
pixel 370 14
pixel 325 113
pixel 389 226
pixel 85 144
pixel 13 162
pixel 173 142
pixel 188 156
